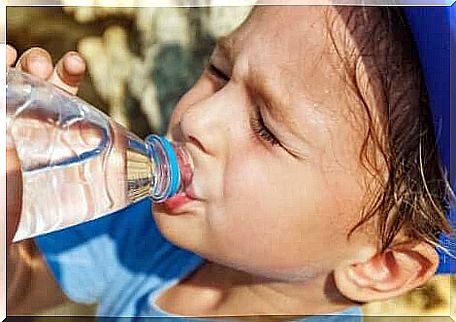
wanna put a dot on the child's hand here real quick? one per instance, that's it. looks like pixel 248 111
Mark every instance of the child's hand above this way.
pixel 67 74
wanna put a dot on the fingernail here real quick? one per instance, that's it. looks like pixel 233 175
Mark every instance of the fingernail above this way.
pixel 38 60
pixel 76 61
pixel 39 65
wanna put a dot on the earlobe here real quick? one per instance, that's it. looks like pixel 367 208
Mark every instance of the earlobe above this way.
pixel 396 271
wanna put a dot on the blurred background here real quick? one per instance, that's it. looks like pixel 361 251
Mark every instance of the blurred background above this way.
pixel 141 61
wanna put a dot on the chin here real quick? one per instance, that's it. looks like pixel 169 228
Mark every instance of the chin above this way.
pixel 184 230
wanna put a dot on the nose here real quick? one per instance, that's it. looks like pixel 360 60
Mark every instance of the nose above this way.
pixel 204 124
pixel 210 123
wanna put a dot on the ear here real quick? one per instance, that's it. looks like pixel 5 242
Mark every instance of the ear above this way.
pixel 385 275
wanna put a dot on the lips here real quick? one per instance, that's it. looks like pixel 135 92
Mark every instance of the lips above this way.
pixel 173 204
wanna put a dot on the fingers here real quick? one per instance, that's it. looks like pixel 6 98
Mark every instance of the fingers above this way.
pixel 69 72
pixel 36 61
pixel 11 55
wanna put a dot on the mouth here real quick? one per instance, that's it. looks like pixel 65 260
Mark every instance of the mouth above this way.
pixel 175 205
pixel 186 195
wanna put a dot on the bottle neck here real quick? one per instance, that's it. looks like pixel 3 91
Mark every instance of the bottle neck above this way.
pixel 171 168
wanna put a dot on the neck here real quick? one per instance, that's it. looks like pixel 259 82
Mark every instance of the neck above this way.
pixel 228 290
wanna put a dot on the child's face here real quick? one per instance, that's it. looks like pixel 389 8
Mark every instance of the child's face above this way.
pixel 275 201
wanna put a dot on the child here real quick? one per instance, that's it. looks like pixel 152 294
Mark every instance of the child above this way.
pixel 317 185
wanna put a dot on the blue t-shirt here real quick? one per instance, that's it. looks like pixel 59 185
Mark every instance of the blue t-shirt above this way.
pixel 122 263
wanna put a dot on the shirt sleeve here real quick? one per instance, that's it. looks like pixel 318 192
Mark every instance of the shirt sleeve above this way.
pixel 86 258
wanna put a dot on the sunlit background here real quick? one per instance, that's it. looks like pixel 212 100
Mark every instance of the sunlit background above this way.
pixel 141 60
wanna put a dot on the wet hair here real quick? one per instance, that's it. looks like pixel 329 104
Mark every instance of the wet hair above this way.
pixel 412 193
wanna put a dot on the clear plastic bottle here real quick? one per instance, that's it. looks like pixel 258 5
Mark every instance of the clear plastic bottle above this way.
pixel 77 163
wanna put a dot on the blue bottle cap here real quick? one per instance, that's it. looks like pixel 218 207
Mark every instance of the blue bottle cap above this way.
pixel 174 167
pixel 167 173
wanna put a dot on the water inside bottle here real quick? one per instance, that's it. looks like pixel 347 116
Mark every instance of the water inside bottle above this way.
pixel 88 189
pixel 77 164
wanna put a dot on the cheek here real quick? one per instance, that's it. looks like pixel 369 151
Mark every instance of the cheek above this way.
pixel 277 215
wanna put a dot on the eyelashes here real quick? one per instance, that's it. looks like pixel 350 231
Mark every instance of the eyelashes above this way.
pixel 217 72
pixel 260 129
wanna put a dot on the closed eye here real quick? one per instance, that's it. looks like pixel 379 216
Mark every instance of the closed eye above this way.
pixel 217 72
pixel 258 126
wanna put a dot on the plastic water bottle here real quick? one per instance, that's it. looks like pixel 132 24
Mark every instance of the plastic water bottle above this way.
pixel 77 163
